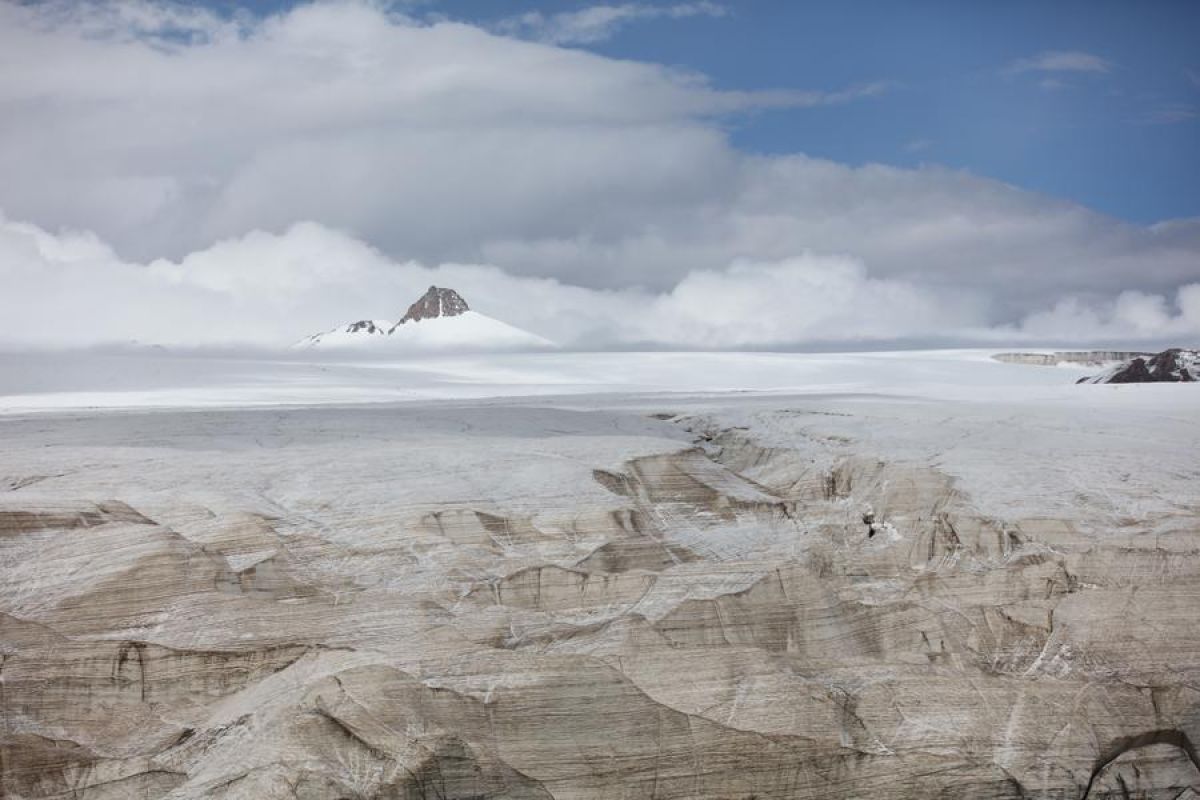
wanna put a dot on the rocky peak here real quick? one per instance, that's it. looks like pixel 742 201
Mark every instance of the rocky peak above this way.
pixel 436 302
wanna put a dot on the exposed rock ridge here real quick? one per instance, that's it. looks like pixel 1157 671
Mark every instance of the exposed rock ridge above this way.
pixel 1175 365
pixel 365 326
pixel 436 302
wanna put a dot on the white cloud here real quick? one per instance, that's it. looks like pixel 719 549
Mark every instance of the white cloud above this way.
pixel 1060 61
pixel 424 137
pixel 597 23
pixel 272 289
pixel 594 184
pixel 168 25
pixel 806 298
pixel 1131 317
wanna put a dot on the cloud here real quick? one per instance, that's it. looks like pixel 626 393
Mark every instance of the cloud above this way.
pixel 598 23
pixel 71 289
pixel 1170 114
pixel 803 299
pixel 1131 317
pixel 424 139
pixel 285 173
pixel 1059 61
pixel 167 25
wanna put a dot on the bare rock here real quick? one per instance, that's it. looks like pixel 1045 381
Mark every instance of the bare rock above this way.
pixel 1175 365
pixel 435 303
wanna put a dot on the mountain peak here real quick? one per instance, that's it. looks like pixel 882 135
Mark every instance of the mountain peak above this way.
pixel 436 302
pixel 469 330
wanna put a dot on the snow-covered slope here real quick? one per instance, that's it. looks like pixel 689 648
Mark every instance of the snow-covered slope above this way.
pixel 46 381
pixel 468 330
pixel 439 320
pixel 355 334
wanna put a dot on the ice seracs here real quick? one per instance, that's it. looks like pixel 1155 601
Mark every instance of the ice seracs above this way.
pixel 439 320
pixel 1176 365
pixel 1087 358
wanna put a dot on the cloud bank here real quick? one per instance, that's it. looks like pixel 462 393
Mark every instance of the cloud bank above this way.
pixel 600 201
pixel 266 289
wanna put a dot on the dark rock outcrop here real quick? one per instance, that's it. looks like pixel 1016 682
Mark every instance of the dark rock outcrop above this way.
pixel 1175 365
pixel 364 326
pixel 434 303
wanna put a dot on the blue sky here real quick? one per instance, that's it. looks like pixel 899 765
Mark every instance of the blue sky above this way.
pixel 1124 141
pixel 1102 139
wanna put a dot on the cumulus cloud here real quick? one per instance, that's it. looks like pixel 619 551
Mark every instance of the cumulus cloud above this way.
pixel 808 298
pixel 1131 316
pixel 197 146
pixel 597 23
pixel 427 139
pixel 71 288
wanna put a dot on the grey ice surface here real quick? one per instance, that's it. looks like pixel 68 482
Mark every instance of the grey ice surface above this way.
pixel 885 575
